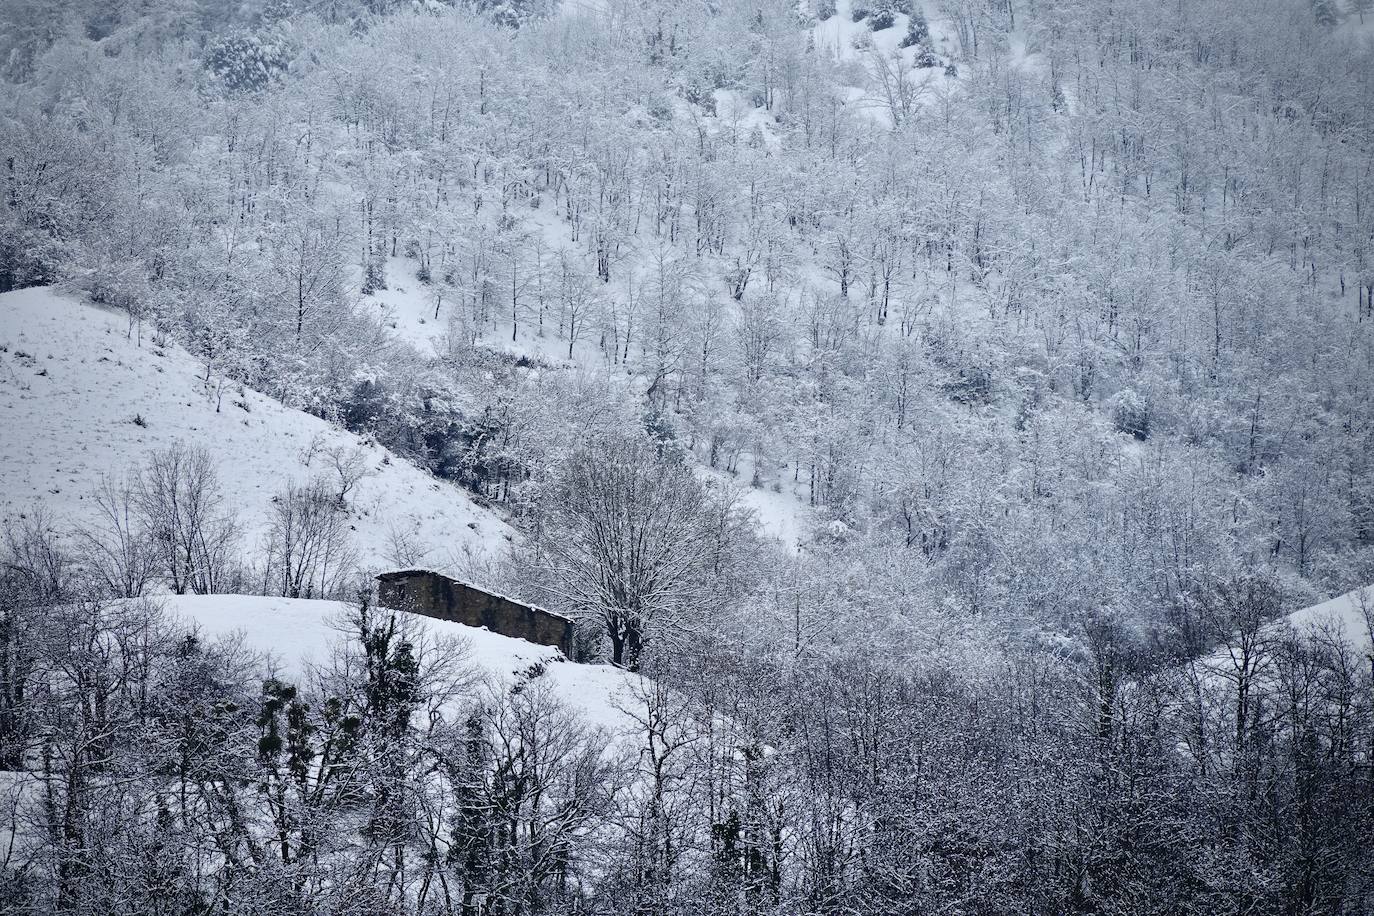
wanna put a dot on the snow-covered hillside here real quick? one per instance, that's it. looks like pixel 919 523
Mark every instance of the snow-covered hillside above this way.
pixel 297 634
pixel 80 398
pixel 1349 616
pixel 1347 620
pixel 416 314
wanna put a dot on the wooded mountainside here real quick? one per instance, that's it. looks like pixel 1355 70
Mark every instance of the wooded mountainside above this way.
pixel 944 401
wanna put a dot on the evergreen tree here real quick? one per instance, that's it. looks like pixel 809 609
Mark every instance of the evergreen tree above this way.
pixel 917 30
pixel 248 62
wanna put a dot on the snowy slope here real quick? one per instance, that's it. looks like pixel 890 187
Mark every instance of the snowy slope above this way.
pixel 1350 616
pixel 1347 619
pixel 843 39
pixel 297 633
pixel 72 382
pixel 409 309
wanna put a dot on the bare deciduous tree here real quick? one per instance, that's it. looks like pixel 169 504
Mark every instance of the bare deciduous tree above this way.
pixel 194 535
pixel 308 549
pixel 348 464
pixel 116 548
pixel 630 539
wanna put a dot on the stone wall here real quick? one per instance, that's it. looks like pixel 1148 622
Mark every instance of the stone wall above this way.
pixel 424 592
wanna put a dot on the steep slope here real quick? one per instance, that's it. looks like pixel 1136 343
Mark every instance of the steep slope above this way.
pixel 297 633
pixel 79 397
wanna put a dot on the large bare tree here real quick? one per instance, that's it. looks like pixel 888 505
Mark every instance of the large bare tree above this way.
pixel 630 538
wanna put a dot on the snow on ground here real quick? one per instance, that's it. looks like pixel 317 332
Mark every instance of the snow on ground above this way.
pixel 1347 619
pixel 1350 616
pixel 1356 29
pixel 856 45
pixel 838 35
pixel 72 384
pixel 780 509
pixel 738 119
pixel 298 634
pixel 779 515
pixel 408 308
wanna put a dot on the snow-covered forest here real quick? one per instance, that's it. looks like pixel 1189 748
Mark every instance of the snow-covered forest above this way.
pixel 950 424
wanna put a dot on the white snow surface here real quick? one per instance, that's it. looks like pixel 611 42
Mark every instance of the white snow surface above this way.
pixel 72 382
pixel 298 634
pixel 1339 621
pixel 407 308
pixel 845 41
pixel 1349 617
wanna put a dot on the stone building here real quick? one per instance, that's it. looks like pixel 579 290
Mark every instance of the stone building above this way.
pixel 423 591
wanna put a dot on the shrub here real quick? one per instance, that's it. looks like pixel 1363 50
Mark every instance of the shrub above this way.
pixel 374 276
pixel 917 31
pixel 247 63
pixel 972 385
pixel 1131 414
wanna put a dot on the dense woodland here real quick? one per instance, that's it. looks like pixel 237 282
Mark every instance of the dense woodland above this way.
pixel 1058 317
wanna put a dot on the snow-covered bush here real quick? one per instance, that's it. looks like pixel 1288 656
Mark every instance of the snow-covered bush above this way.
pixel 971 384
pixel 374 276
pixel 1131 413
pixel 28 258
pixel 248 62
pixel 514 14
pixel 917 31
pixel 120 284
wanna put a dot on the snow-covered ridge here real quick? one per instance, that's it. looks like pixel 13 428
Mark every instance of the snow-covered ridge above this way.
pixel 79 398
pixel 1345 622
pixel 297 634
pixel 1349 617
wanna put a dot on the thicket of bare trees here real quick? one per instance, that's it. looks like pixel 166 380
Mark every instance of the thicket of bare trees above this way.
pixel 308 554
pixel 1052 365
pixel 149 770
pixel 169 524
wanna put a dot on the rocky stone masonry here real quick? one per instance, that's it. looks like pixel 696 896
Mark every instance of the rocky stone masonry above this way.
pixel 423 591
